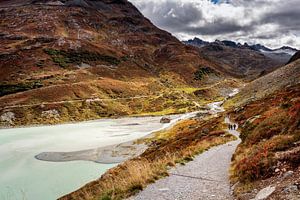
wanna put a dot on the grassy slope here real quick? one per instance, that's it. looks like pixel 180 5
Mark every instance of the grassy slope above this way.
pixel 270 135
pixel 269 125
pixel 268 111
pixel 156 100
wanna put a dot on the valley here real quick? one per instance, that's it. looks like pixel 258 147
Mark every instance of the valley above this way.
pixel 98 102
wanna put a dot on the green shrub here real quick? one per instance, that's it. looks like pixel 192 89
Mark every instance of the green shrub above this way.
pixel 6 89
pixel 64 58
pixel 106 197
pixel 202 72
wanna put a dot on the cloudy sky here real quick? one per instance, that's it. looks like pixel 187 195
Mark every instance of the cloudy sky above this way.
pixel 270 22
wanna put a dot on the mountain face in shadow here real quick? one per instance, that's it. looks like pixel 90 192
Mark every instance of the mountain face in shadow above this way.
pixel 250 61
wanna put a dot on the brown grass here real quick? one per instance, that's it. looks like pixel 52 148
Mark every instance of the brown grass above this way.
pixel 276 129
pixel 179 145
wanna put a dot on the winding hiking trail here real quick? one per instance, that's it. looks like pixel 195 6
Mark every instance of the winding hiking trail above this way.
pixel 204 178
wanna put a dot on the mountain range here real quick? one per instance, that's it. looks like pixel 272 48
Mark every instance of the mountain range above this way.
pixel 282 54
pixel 243 60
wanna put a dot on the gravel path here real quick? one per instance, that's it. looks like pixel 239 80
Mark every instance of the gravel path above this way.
pixel 205 178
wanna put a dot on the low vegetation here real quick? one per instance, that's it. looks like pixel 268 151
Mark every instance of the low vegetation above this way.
pixel 270 134
pixel 65 58
pixel 202 72
pixel 167 148
pixel 6 89
pixel 102 99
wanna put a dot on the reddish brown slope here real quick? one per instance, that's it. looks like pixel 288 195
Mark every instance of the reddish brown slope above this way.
pixel 115 30
pixel 48 48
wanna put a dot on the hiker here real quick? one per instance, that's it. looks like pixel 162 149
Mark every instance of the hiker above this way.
pixel 230 127
pixel 234 126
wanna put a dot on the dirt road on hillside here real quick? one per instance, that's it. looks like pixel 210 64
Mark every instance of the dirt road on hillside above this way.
pixel 205 178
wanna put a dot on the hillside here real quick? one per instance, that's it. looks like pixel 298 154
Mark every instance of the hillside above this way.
pixel 243 61
pixel 240 62
pixel 204 120
pixel 281 78
pixel 269 153
pixel 268 112
pixel 295 57
pixel 78 60
pixel 280 55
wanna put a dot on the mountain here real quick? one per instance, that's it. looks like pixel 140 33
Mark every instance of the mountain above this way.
pixel 259 47
pixel 67 60
pixel 282 54
pixel 196 42
pixel 286 76
pixel 239 61
pixel 279 55
pixel 295 57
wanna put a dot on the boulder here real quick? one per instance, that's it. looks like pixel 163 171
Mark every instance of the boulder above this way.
pixel 291 189
pixel 8 117
pixel 165 120
pixel 264 193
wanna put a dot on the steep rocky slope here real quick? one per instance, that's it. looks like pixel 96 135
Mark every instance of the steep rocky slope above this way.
pixel 66 57
pixel 281 78
pixel 240 62
pixel 243 60
pixel 280 55
pixel 295 57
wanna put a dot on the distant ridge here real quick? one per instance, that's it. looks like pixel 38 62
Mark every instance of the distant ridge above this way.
pixel 256 47
pixel 243 60
pixel 295 57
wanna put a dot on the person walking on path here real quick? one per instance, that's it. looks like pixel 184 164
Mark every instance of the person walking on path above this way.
pixel 234 127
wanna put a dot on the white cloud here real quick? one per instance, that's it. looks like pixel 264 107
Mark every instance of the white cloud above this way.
pixel 270 22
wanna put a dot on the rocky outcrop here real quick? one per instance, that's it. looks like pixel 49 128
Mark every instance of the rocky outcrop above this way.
pixel 51 114
pixel 165 120
pixel 8 117
pixel 295 57
pixel 279 79
pixel 264 193
pixel 292 154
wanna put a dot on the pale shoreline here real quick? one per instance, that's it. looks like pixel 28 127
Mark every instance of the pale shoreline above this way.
pixel 109 154
pixel 121 152
pixel 112 154
pixel 88 121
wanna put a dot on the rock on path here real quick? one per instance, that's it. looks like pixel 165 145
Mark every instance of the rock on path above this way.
pixel 205 178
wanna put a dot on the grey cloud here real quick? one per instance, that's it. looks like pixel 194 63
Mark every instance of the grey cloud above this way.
pixel 219 27
pixel 187 18
pixel 171 15
pixel 287 18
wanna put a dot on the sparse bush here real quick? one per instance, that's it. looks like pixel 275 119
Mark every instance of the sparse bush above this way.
pixel 285 105
pixel 202 72
pixel 105 197
pixel 6 89
pixel 64 58
pixel 255 165
pixel 133 175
